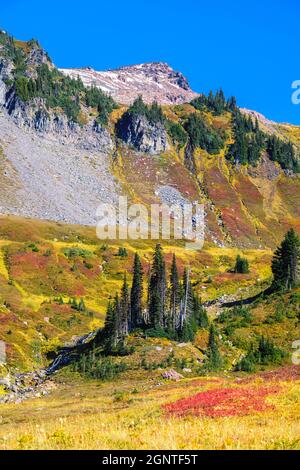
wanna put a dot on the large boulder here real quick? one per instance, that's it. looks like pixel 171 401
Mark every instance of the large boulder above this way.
pixel 172 375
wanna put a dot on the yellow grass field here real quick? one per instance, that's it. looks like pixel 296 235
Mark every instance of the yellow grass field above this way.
pixel 128 414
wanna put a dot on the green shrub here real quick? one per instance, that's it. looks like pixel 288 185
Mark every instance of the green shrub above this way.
pixel 246 364
pixel 33 247
pixel 241 265
pixel 122 252
pixel 73 252
pixel 157 332
pixel 98 367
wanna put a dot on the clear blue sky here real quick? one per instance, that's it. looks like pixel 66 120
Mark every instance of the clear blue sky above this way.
pixel 251 49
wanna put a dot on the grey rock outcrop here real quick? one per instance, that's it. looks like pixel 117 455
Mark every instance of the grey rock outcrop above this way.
pixel 142 134
pixel 35 116
pixel 6 68
pixel 172 374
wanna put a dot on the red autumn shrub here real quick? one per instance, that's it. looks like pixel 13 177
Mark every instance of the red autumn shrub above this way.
pixel 287 373
pixel 223 402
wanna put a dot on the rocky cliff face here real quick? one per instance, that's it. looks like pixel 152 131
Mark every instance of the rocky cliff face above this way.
pixel 36 117
pixel 154 81
pixel 145 136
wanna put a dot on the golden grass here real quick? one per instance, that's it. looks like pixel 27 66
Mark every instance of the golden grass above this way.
pixel 115 416
pixel 3 269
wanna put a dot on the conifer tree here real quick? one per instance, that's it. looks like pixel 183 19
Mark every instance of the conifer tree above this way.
pixel 285 263
pixel 124 309
pixel 200 313
pixel 157 289
pixel 188 322
pixel 187 297
pixel 231 104
pixel 136 294
pixel 110 326
pixel 174 296
pixel 214 360
pixel 81 306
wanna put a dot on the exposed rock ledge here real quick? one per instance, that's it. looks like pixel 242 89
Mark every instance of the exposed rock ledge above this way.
pixel 143 135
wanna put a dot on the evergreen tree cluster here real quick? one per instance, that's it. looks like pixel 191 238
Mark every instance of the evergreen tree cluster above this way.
pixel 263 354
pixel 172 308
pixel 95 366
pixel 286 263
pixel 283 153
pixel 58 90
pixel 78 305
pixel 153 112
pixel 61 91
pixel 249 140
pixel 202 135
pixel 215 103
pixel 9 50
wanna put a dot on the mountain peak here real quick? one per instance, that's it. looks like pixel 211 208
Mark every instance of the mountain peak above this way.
pixel 155 81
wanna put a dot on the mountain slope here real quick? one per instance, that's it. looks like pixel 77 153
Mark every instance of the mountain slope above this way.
pixel 66 148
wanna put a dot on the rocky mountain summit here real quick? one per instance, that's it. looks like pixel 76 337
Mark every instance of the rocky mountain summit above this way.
pixel 154 81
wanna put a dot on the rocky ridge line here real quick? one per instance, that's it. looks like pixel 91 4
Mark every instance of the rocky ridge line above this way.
pixel 154 81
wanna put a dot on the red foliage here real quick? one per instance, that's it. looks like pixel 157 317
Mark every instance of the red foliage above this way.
pixel 287 373
pixel 223 402
pixel 223 277
pixel 34 260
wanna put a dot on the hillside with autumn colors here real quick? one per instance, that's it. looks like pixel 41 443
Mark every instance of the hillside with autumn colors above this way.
pixel 66 148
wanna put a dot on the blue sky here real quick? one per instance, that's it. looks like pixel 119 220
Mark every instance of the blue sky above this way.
pixel 250 49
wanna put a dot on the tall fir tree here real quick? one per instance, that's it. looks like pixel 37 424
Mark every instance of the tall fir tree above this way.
pixel 157 289
pixel 285 263
pixel 174 296
pixel 124 309
pixel 213 356
pixel 188 309
pixel 136 294
pixel 111 326
pixel 200 313
pixel 187 298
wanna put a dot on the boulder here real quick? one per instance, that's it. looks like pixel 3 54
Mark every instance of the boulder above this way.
pixel 172 375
